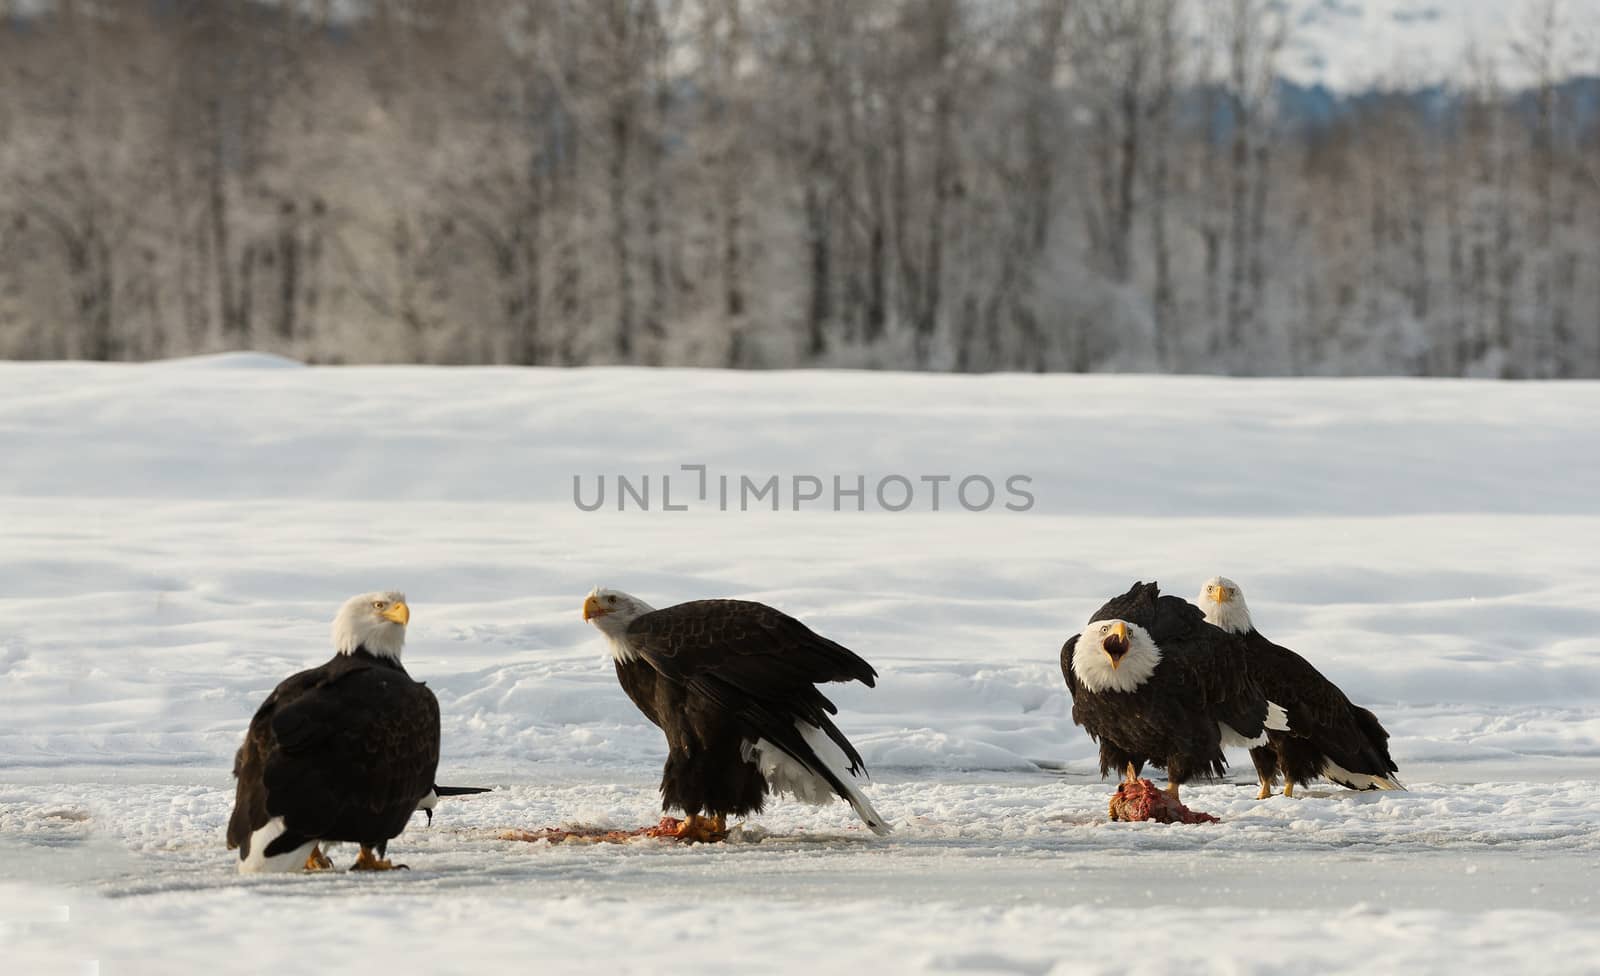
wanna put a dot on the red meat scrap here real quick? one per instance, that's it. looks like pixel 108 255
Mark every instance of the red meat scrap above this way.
pixel 1141 800
pixel 667 829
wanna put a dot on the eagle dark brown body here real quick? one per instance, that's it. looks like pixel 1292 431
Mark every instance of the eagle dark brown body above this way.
pixel 733 686
pixel 1172 719
pixel 342 752
pixel 706 771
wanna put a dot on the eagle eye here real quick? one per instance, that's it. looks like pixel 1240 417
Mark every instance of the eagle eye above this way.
pixel 1104 628
pixel 377 604
pixel 611 599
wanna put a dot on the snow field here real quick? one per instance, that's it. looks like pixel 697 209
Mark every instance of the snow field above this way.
pixel 175 539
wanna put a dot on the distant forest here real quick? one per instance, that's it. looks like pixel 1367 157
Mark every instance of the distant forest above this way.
pixel 968 185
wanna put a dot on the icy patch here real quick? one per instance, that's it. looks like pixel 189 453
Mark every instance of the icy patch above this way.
pixel 1422 878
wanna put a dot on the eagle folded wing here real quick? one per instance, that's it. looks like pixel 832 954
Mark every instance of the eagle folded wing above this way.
pixel 353 741
pixel 1217 667
pixel 1067 650
pixel 754 661
pixel 1320 712
pixel 754 647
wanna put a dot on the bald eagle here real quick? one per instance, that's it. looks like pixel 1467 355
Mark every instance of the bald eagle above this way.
pixel 1152 682
pixel 343 752
pixel 1332 737
pixel 732 683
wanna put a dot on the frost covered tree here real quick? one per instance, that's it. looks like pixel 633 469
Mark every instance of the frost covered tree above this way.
pixel 919 184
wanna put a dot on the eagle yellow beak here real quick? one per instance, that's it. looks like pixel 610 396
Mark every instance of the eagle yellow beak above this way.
pixel 592 608
pixel 1221 594
pixel 399 613
pixel 1119 638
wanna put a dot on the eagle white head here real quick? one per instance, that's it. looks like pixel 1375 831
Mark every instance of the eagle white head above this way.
pixel 611 611
pixel 373 621
pixel 1223 602
pixel 1114 655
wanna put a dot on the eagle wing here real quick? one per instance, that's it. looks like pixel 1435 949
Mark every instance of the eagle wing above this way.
pixel 366 744
pixel 1135 606
pixel 1163 617
pixel 754 661
pixel 250 800
pixel 759 650
pixel 1177 617
pixel 1319 711
pixel 350 746
pixel 1080 712
pixel 1066 666
pixel 1218 666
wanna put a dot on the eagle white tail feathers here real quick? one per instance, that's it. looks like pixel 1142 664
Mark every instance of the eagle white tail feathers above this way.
pixel 829 752
pixel 257 862
pixel 865 811
pixel 1336 773
pixel 787 774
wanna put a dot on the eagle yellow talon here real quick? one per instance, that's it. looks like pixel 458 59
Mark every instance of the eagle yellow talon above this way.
pixel 318 861
pixel 1266 791
pixel 696 829
pixel 367 861
pixel 1288 788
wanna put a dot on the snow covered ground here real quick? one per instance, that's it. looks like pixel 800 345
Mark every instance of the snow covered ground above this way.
pixel 174 539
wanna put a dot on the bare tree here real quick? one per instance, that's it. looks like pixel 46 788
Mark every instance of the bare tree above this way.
pixel 1255 32
pixel 1041 184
